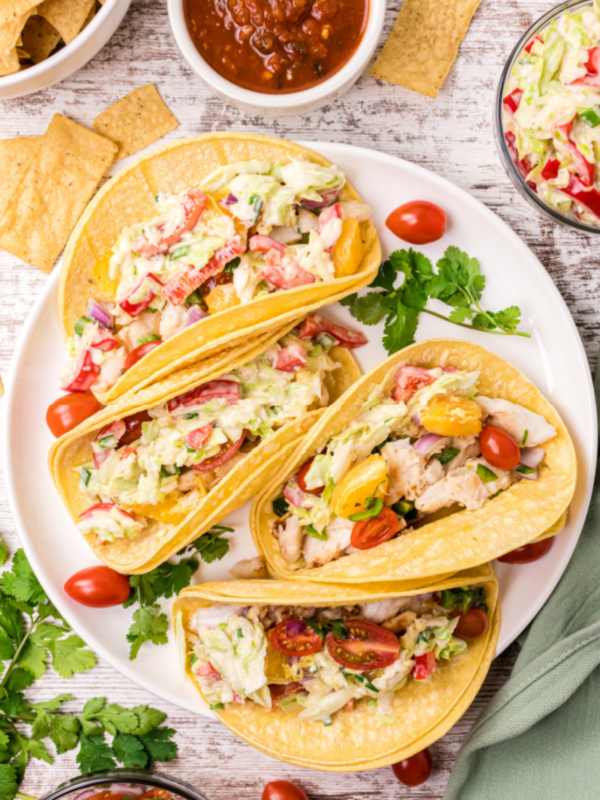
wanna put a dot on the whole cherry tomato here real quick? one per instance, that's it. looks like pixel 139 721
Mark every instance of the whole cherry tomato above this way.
pixel 417 222
pixel 528 553
pixel 98 587
pixel 139 352
pixel 472 624
pixel 499 448
pixel 367 646
pixel 294 637
pixel 368 533
pixel 302 475
pixel 283 790
pixel 70 410
pixel 415 770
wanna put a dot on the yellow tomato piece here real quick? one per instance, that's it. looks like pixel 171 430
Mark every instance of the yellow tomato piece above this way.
pixel 221 297
pixel 348 251
pixel 452 416
pixel 104 282
pixel 367 479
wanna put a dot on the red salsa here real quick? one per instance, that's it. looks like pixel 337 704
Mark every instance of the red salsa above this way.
pixel 276 46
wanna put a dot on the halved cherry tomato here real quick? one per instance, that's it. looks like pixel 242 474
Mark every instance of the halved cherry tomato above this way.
pixel 415 770
pixel 368 646
pixel 528 553
pixel 139 352
pixel 283 790
pixel 409 380
pixel 424 666
pixel 227 452
pixel 294 637
pixel 499 448
pixel 98 587
pixel 302 474
pixel 417 222
pixel 70 411
pixel 368 533
pixel 472 624
pixel 133 426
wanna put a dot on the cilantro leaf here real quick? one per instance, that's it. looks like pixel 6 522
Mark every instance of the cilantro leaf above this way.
pixel 150 624
pixel 169 579
pixel 212 546
pixel 94 754
pixel 20 582
pixel 148 719
pixel 159 745
pixel 9 785
pixel 130 750
pixel 70 655
pixel 369 309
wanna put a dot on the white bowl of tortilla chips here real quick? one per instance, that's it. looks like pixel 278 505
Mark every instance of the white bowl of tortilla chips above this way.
pixel 43 42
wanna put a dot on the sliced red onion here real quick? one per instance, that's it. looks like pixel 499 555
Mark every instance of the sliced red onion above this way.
pixel 294 627
pixel 327 198
pixel 285 235
pixel 194 314
pixel 230 200
pixel 426 444
pixel 128 789
pixel 532 457
pixel 100 314
pixel 416 419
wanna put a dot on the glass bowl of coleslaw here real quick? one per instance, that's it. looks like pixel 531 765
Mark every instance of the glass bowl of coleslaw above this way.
pixel 547 116
pixel 132 784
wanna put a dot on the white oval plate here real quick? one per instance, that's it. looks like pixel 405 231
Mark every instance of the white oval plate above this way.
pixel 553 358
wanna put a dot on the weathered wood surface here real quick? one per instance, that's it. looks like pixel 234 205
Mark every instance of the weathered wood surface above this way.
pixel 451 135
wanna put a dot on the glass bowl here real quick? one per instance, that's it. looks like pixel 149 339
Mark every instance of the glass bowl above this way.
pixel 509 165
pixel 97 781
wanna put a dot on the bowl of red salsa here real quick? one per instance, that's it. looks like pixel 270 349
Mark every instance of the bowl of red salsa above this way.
pixel 125 784
pixel 277 57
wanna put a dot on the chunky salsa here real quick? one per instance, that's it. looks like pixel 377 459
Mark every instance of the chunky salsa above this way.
pixel 276 46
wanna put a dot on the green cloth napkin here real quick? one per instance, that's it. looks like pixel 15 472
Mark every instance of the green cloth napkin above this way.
pixel 539 738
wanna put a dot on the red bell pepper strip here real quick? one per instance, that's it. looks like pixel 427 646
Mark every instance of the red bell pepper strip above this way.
pixel 104 507
pixel 592 78
pixel 345 337
pixel 586 195
pixel 227 452
pixel 290 358
pixel 228 390
pixel 183 283
pixel 424 666
pixel 584 169
pixel 550 169
pixel 139 352
pixel 116 429
pixel 146 288
pixel 104 341
pixel 262 244
pixel 512 100
pixel 193 206
pixel 198 437
pixel 530 44
pixel 84 374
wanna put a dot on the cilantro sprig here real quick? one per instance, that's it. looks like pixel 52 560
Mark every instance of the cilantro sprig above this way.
pixel 335 626
pixel 33 635
pixel 458 282
pixel 150 623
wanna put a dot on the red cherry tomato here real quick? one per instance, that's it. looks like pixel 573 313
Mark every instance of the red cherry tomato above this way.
pixel 418 222
pixel 227 451
pixel 499 448
pixel 133 427
pixel 98 587
pixel 302 474
pixel 415 770
pixel 139 352
pixel 368 533
pixel 69 411
pixel 283 790
pixel 471 625
pixel 368 646
pixel 295 638
pixel 528 553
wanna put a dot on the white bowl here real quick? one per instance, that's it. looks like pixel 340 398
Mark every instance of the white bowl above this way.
pixel 279 105
pixel 71 58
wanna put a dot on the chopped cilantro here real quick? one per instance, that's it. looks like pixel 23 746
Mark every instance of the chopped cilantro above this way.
pixel 335 626
pixel 169 471
pixel 486 475
pixel 463 598
pixel 362 679
pixel 525 435
pixel 458 282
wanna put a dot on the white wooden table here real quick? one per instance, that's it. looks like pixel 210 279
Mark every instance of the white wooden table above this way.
pixel 451 135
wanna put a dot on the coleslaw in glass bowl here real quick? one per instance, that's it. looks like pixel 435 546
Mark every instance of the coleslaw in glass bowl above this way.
pixel 547 120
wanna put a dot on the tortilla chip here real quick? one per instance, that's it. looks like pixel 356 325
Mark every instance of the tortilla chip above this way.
pixel 424 43
pixel 9 62
pixel 39 38
pixel 11 9
pixel 10 32
pixel 67 16
pixel 136 120
pixel 47 182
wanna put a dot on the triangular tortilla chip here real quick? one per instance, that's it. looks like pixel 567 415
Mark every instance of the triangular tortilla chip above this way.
pixel 67 16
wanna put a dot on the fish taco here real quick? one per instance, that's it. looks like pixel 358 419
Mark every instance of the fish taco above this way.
pixel 339 678
pixel 200 244
pixel 144 477
pixel 441 458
